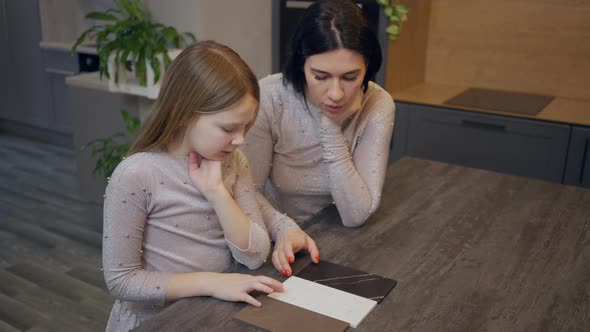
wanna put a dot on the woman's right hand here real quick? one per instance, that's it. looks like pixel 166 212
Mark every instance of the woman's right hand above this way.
pixel 288 244
pixel 236 287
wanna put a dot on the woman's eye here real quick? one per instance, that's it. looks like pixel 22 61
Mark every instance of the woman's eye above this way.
pixel 320 78
pixel 350 78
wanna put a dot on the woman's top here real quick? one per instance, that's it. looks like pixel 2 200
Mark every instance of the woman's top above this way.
pixel 311 166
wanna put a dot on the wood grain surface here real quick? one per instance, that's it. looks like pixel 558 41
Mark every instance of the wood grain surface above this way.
pixel 472 250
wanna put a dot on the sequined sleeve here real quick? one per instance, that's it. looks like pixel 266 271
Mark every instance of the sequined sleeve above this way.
pixel 356 180
pixel 259 149
pixel 125 215
pixel 245 196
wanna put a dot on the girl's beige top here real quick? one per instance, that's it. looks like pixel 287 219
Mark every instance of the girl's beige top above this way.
pixel 156 222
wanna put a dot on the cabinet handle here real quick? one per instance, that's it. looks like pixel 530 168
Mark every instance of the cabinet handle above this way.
pixel 483 125
pixel 58 71
pixel 584 156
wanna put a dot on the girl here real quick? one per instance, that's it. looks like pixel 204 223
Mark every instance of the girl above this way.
pixel 323 133
pixel 179 207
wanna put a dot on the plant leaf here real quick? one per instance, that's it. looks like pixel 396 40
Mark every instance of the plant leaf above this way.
pixel 155 64
pixel 392 30
pixel 81 39
pixel 101 16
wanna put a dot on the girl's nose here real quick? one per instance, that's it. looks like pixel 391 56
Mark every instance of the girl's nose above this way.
pixel 238 139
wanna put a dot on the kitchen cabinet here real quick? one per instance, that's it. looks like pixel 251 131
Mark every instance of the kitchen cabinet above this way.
pixel 60 64
pixel 500 143
pixel 578 160
pixel 25 86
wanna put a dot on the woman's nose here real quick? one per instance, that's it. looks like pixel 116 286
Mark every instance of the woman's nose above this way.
pixel 335 91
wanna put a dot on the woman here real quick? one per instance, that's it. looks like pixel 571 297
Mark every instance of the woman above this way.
pixel 323 130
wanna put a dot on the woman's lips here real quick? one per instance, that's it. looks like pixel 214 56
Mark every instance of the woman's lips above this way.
pixel 332 108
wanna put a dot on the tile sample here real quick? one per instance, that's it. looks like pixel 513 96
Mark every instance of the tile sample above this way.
pixel 278 316
pixel 325 300
pixel 370 286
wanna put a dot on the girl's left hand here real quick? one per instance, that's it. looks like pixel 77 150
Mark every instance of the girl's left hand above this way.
pixel 205 174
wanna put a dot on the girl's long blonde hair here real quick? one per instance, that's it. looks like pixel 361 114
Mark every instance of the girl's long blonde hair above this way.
pixel 206 77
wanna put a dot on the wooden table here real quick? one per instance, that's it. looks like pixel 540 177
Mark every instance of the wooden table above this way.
pixel 472 250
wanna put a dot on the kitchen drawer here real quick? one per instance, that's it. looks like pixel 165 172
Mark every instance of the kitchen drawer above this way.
pixel 578 159
pixel 499 143
pixel 60 61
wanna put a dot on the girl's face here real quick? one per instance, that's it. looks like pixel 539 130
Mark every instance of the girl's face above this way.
pixel 214 136
pixel 334 81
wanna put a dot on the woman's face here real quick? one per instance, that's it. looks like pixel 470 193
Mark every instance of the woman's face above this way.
pixel 334 82
pixel 214 136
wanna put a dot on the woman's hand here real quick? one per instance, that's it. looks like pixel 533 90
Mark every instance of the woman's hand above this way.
pixel 206 175
pixel 236 287
pixel 289 243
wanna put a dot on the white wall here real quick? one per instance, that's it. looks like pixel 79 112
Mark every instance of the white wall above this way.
pixel 245 26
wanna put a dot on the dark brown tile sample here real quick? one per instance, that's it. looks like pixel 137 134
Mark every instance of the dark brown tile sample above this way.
pixel 278 316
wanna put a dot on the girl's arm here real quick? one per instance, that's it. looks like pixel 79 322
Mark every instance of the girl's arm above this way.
pixel 247 239
pixel 245 199
pixel 125 215
pixel 356 181
pixel 224 286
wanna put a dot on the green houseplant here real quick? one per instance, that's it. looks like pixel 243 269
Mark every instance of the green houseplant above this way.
pixel 396 13
pixel 112 150
pixel 132 41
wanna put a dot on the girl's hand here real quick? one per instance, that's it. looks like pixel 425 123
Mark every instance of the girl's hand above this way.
pixel 205 174
pixel 235 287
pixel 289 243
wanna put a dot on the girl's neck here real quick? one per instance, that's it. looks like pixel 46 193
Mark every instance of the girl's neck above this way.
pixel 178 146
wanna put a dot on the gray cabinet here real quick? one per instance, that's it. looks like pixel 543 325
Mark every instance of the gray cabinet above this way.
pixel 578 160
pixel 24 84
pixel 499 143
pixel 60 64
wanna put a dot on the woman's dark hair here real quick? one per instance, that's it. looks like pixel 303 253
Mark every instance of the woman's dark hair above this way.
pixel 329 25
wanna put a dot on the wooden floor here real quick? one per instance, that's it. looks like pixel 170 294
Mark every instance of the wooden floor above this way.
pixel 50 243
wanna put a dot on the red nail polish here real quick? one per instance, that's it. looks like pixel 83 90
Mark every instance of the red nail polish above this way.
pixel 288 273
pixel 285 273
pixel 291 260
pixel 317 259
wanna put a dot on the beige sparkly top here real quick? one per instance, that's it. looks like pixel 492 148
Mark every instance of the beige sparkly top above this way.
pixel 310 167
pixel 156 222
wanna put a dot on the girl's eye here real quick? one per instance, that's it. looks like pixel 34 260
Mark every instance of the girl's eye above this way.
pixel 228 130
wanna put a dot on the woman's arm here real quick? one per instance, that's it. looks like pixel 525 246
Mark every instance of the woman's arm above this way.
pixel 356 181
pixel 288 237
pixel 259 151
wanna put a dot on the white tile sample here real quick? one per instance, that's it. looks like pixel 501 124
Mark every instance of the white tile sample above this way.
pixel 325 300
